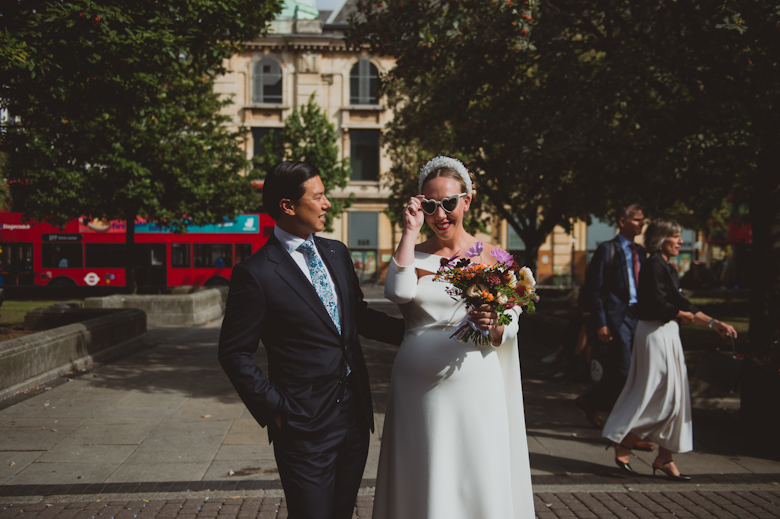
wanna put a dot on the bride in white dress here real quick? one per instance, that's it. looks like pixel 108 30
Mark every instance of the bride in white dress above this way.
pixel 454 443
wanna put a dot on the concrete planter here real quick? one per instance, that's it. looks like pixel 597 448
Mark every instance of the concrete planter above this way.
pixel 180 309
pixel 41 356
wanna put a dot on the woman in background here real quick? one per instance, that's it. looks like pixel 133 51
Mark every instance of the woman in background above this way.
pixel 655 403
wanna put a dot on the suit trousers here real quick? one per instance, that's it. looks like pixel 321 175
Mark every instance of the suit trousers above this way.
pixel 617 362
pixel 321 479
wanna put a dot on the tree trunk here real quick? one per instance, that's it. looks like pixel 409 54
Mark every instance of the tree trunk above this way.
pixel 531 257
pixel 765 254
pixel 130 283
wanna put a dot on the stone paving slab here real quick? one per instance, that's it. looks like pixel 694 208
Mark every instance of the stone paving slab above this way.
pixel 720 504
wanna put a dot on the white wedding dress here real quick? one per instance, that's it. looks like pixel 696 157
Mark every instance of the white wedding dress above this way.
pixel 454 443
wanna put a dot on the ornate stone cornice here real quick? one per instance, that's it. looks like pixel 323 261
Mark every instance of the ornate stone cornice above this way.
pixel 299 42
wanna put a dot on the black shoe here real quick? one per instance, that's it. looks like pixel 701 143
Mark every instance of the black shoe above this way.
pixel 624 466
pixel 621 465
pixel 668 472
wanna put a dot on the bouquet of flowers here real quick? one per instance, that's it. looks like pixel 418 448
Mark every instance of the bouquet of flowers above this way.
pixel 503 286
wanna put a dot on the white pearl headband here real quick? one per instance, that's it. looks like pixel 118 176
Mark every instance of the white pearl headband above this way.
pixel 444 162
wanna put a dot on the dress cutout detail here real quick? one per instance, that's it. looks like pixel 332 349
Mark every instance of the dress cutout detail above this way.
pixel 454 441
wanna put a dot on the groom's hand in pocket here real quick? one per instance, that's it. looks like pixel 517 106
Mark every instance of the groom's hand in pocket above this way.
pixel 278 420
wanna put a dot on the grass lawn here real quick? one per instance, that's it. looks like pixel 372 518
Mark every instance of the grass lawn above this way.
pixel 700 338
pixel 12 312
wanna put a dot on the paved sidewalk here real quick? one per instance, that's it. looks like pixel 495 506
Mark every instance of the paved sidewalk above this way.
pixel 582 505
pixel 162 433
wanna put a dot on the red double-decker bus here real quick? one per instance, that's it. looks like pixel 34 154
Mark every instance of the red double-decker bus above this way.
pixel 92 253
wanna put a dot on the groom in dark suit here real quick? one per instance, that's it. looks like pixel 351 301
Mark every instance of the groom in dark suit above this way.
pixel 300 296
pixel 610 296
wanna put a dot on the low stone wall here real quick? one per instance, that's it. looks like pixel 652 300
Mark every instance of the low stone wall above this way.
pixel 61 314
pixel 182 309
pixel 41 356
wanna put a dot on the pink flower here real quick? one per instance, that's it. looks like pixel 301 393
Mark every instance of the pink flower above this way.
pixel 502 256
pixel 475 250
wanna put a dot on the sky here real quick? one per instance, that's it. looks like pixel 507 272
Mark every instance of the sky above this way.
pixel 327 5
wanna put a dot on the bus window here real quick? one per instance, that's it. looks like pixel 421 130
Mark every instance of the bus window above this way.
pixel 180 255
pixel 243 251
pixel 213 254
pixel 105 255
pixel 16 263
pixel 61 255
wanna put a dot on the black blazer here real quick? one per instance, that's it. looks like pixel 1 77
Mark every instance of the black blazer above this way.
pixel 271 300
pixel 659 291
pixel 607 290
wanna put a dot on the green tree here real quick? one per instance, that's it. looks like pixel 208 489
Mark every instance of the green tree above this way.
pixel 113 113
pixel 468 80
pixel 571 107
pixel 308 136
pixel 698 86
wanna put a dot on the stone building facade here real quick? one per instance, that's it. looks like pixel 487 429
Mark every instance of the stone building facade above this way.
pixel 303 56
pixel 299 58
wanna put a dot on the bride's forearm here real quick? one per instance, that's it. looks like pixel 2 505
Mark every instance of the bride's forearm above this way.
pixel 404 254
pixel 497 335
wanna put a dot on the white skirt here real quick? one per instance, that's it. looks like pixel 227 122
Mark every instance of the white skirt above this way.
pixel 655 403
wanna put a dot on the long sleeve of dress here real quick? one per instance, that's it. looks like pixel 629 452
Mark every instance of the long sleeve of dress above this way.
pixel 511 329
pixel 400 283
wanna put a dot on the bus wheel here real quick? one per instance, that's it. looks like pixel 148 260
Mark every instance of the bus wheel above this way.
pixel 217 281
pixel 61 283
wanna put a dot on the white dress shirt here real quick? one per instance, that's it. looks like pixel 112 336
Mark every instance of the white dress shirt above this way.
pixel 291 243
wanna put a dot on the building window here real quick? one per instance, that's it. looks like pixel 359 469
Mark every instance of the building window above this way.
pixel 363 244
pixel 364 154
pixel 257 136
pixel 363 83
pixel 599 231
pixel 267 82
pixel 515 245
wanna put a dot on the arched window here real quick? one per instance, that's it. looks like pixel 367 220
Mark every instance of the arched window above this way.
pixel 267 82
pixel 363 83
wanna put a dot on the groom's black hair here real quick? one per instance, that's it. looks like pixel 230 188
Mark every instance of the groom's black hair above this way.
pixel 285 180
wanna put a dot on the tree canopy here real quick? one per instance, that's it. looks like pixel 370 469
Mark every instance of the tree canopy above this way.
pixel 568 108
pixel 112 109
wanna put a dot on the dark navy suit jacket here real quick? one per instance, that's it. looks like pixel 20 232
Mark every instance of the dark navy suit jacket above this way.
pixel 607 290
pixel 270 299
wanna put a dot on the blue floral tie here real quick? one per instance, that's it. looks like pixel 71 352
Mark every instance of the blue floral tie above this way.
pixel 319 279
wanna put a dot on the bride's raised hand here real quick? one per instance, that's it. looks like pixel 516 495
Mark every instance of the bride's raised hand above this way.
pixel 413 220
pixel 413 214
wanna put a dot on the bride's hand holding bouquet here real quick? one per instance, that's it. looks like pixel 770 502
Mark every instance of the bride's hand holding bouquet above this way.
pixel 487 288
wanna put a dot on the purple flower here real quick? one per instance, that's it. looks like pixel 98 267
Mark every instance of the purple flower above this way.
pixel 502 256
pixel 475 250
